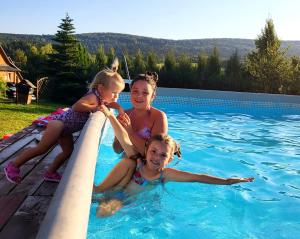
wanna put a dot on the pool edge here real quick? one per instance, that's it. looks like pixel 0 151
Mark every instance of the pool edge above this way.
pixel 68 213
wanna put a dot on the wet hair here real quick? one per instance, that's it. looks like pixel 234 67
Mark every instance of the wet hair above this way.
pixel 107 75
pixel 150 77
pixel 175 147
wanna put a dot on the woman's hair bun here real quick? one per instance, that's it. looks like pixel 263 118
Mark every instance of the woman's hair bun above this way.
pixel 115 65
pixel 152 74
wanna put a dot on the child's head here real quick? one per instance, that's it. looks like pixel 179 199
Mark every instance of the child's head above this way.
pixel 143 89
pixel 160 150
pixel 109 84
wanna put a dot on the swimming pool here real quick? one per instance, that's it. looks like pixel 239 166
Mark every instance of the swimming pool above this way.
pixel 222 138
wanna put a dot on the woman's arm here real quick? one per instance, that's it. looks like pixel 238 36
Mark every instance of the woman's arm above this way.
pixel 182 176
pixel 120 132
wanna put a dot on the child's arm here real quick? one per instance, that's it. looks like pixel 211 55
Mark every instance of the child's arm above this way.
pixel 120 132
pixel 182 176
pixel 87 103
pixel 115 105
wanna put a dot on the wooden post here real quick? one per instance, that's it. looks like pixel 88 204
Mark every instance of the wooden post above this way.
pixel 39 84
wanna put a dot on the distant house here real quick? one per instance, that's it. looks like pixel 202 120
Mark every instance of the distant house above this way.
pixel 8 70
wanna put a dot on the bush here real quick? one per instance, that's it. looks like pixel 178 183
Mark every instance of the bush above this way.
pixel 3 87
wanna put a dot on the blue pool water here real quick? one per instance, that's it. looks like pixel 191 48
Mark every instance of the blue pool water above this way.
pixel 224 141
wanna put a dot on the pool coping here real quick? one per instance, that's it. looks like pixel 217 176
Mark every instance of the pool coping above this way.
pixel 229 95
pixel 68 213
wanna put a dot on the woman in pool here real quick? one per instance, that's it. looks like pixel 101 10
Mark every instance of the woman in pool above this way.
pixel 135 173
pixel 142 121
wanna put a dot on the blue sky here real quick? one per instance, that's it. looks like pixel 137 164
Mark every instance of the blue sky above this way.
pixel 169 19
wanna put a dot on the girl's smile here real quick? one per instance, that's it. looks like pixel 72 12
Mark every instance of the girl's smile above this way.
pixel 158 155
pixel 141 94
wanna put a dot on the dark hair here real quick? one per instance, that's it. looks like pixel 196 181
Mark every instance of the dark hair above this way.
pixel 150 77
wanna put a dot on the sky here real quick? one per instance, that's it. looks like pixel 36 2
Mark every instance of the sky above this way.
pixel 168 19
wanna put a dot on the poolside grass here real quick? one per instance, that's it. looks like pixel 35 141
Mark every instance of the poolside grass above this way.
pixel 14 117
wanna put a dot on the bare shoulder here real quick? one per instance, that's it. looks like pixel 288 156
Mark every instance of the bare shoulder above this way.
pixel 88 97
pixel 158 113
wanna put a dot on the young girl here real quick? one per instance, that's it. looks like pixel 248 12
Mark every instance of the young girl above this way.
pixel 142 121
pixel 105 88
pixel 132 176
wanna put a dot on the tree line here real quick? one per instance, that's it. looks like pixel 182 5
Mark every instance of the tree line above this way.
pixel 70 66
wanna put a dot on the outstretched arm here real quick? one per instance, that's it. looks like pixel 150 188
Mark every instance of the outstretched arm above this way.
pixel 182 176
pixel 120 132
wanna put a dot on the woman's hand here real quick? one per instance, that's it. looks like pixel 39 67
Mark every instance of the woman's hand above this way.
pixel 125 121
pixel 239 180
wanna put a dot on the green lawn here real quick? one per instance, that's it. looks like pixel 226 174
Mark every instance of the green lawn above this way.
pixel 14 117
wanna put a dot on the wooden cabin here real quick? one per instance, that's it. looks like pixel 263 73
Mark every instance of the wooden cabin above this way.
pixel 8 70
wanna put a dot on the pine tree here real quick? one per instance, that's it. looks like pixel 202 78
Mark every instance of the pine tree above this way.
pixel 152 62
pixel 168 73
pixel 139 63
pixel 213 71
pixel 101 58
pixel 66 84
pixel 185 77
pixel 201 69
pixel 233 72
pixel 111 56
pixel 268 65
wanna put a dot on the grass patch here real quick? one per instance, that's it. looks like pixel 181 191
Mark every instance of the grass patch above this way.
pixel 14 117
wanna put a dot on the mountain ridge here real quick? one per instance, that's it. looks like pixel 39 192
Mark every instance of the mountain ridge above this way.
pixel 131 43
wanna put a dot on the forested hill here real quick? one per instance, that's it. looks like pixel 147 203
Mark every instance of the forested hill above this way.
pixel 131 43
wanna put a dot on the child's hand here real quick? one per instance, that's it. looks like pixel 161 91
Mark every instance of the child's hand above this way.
pixel 239 180
pixel 104 110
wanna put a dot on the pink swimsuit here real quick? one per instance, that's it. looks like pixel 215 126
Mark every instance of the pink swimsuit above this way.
pixel 74 121
pixel 144 133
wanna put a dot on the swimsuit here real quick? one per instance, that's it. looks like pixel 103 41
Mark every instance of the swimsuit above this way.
pixel 139 179
pixel 144 133
pixel 73 120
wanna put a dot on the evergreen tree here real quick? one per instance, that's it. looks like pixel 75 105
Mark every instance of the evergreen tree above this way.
pixel 139 63
pixel 101 58
pixel 170 61
pixel 294 86
pixel 168 73
pixel 213 71
pixel 233 73
pixel 66 84
pixel 185 77
pixel 201 69
pixel 267 65
pixel 152 61
pixel 110 56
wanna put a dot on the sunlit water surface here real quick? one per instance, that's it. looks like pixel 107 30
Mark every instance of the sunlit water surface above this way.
pixel 222 144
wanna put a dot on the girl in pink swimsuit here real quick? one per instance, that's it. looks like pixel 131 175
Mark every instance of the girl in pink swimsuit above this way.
pixel 105 88
pixel 129 177
pixel 142 121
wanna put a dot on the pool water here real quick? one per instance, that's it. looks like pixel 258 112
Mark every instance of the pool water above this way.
pixel 223 144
